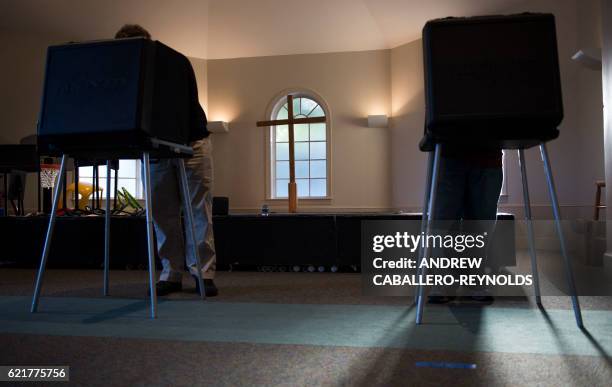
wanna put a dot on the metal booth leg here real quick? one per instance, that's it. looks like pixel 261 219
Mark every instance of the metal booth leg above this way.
pixel 50 227
pixel 424 218
pixel 530 234
pixel 107 219
pixel 190 223
pixel 568 266
pixel 430 217
pixel 151 251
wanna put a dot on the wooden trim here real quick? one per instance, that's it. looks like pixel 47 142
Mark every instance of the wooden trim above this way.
pixel 309 120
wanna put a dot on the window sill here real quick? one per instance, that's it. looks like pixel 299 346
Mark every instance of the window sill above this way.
pixel 301 200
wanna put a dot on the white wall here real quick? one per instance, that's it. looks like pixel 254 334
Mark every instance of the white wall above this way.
pixel 354 84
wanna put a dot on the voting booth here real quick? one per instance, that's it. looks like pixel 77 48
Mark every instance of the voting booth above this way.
pixel 118 99
pixel 116 96
pixel 492 82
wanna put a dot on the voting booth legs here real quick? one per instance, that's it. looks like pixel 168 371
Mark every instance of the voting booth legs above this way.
pixel 429 206
pixel 184 189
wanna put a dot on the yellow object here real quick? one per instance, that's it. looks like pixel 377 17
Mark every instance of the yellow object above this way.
pixel 85 192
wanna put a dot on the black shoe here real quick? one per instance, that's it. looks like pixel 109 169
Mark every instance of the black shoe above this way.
pixel 440 299
pixel 209 287
pixel 166 287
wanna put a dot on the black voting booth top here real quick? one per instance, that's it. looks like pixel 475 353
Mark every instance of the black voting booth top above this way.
pixel 491 82
pixel 110 98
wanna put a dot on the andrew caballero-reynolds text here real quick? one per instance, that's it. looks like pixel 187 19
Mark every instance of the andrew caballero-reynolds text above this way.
pixel 466 271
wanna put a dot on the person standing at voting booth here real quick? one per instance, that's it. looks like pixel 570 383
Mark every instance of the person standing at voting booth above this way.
pixel 469 185
pixel 173 250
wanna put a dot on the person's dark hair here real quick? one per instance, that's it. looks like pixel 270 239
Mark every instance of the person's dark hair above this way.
pixel 132 31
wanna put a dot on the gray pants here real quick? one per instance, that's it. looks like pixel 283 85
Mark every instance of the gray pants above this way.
pixel 173 248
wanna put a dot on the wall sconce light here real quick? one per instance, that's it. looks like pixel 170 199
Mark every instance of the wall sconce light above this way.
pixel 589 58
pixel 378 121
pixel 218 126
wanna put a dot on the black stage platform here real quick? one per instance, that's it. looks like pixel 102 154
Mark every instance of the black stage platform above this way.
pixel 245 240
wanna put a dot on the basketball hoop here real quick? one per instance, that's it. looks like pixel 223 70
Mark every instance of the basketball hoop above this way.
pixel 48 174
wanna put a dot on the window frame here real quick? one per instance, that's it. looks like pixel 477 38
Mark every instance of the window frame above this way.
pixel 274 107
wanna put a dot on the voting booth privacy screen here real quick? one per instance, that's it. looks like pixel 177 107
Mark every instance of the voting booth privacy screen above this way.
pixel 114 94
pixel 492 81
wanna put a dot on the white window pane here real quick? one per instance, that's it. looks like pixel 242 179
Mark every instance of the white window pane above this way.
pixel 318 168
pixel 301 132
pixel 308 106
pixel 85 172
pixel 301 151
pixel 282 133
pixel 127 168
pixel 317 150
pixel 302 187
pixel 282 169
pixel 317 112
pixel 103 187
pixel 102 170
pixel 129 185
pixel 282 188
pixel 296 106
pixel 317 132
pixel 301 169
pixel 282 113
pixel 318 187
pixel 282 151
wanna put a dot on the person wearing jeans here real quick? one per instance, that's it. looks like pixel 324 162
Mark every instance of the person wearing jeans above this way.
pixel 469 185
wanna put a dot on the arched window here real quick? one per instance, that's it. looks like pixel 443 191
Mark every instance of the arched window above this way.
pixel 311 150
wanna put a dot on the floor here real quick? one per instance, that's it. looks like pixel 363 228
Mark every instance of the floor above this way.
pixel 295 329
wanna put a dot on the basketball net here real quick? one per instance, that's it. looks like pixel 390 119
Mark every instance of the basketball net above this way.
pixel 48 175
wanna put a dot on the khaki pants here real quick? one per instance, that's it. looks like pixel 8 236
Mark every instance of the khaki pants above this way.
pixel 173 248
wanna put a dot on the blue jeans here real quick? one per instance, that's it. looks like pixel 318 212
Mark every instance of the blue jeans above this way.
pixel 469 193
pixel 466 191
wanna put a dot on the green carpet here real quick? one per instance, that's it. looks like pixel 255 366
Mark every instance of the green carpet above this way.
pixel 487 329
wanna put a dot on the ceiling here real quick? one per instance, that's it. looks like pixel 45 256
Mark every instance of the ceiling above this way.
pixel 216 29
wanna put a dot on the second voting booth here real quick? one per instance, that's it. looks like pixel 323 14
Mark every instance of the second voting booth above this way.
pixel 493 82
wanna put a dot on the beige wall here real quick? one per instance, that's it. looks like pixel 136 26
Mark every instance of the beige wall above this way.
pixel 372 168
pixel 408 164
pixel 21 76
pixel 200 68
pixel 353 84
